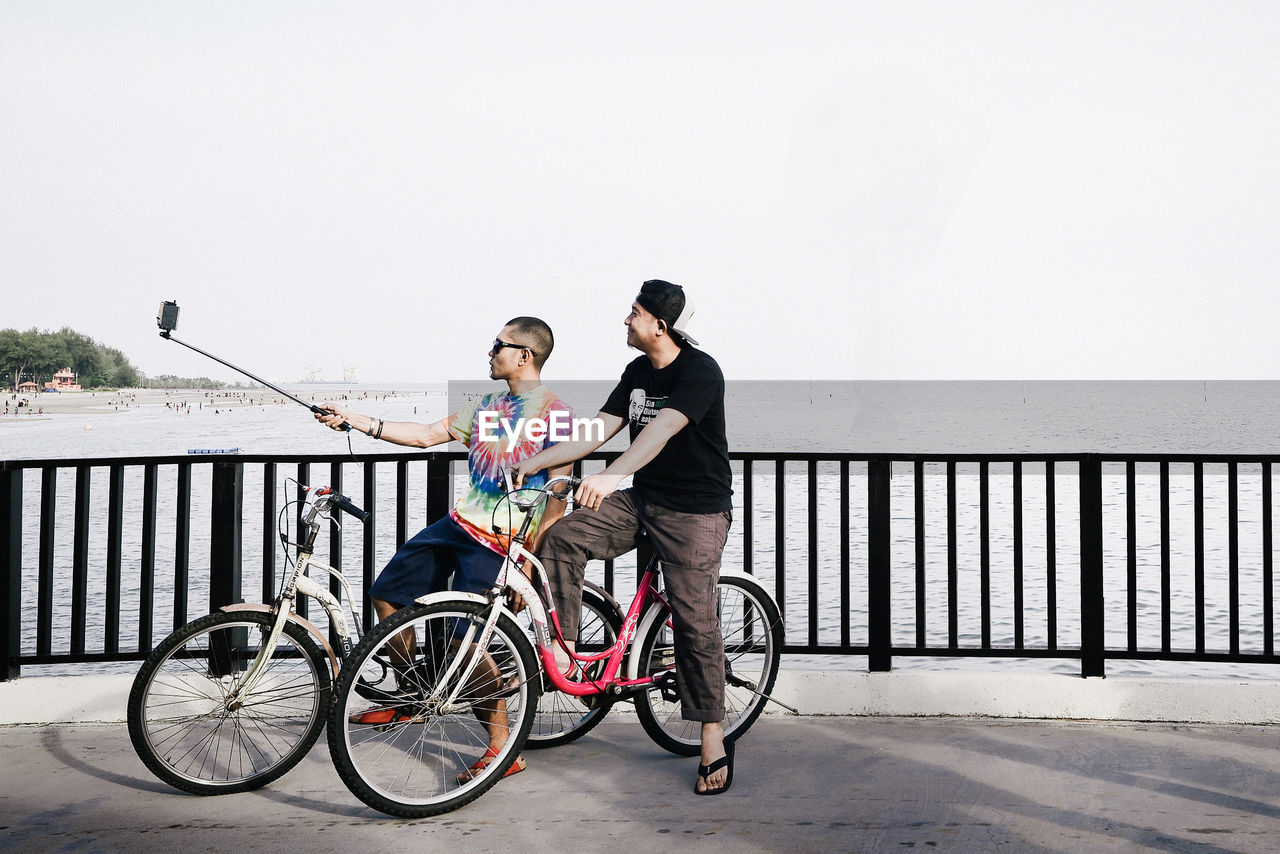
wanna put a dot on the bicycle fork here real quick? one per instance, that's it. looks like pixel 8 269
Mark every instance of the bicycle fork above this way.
pixel 284 610
pixel 449 704
pixel 235 700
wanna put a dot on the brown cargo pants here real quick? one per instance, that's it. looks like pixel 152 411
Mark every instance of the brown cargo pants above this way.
pixel 689 545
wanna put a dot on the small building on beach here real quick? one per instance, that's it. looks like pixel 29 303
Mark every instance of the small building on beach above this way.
pixel 63 380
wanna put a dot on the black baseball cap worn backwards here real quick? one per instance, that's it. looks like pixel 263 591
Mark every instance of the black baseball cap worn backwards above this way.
pixel 668 303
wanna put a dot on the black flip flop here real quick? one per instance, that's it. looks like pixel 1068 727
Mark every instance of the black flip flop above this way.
pixel 705 771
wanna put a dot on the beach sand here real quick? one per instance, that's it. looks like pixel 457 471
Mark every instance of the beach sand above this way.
pixel 49 404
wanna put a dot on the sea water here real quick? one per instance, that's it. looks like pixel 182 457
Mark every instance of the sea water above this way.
pixel 846 417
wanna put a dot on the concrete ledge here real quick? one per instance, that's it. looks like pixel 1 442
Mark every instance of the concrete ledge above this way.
pixel 104 699
pixel 1022 695
pixel 64 699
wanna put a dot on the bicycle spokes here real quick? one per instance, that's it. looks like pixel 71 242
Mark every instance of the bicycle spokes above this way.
pixel 411 753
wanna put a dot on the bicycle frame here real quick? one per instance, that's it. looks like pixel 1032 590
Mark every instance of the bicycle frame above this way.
pixel 300 583
pixel 512 580
pixel 546 628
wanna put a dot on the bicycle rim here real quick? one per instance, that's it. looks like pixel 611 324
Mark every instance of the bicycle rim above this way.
pixel 416 762
pixel 191 735
pixel 562 718
pixel 752 631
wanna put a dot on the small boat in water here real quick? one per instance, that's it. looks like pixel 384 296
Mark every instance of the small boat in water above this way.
pixel 213 450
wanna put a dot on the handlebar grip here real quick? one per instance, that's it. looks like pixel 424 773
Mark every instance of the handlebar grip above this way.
pixel 570 487
pixel 344 504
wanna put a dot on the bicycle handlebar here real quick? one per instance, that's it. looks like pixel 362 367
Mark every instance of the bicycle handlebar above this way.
pixel 343 503
pixel 543 492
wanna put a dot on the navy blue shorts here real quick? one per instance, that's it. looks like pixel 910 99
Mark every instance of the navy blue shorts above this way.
pixel 424 563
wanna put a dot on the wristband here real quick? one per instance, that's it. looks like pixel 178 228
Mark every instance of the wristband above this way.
pixel 378 435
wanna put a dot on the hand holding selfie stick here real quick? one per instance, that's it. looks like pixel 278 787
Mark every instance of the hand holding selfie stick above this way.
pixel 167 320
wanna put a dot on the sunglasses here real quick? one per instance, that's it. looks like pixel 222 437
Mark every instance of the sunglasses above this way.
pixel 498 344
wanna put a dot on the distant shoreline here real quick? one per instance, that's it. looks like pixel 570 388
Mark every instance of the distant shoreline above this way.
pixel 49 404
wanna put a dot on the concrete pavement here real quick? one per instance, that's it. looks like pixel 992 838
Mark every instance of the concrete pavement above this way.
pixel 803 784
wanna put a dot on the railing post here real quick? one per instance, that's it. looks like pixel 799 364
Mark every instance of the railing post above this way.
pixel 880 658
pixel 182 546
pixel 1092 610
pixel 10 572
pixel 335 553
pixel 48 538
pixel 304 481
pixel 437 488
pixel 80 560
pixel 224 534
pixel 115 531
pixel 147 570
pixel 368 569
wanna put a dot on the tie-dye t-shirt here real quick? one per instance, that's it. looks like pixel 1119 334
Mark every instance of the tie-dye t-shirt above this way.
pixel 497 428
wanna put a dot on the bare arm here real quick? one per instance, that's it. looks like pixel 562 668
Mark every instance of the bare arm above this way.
pixel 564 453
pixel 554 511
pixel 410 433
pixel 652 439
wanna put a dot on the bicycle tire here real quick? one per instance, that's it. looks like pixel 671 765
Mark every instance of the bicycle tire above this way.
pixel 182 728
pixel 409 767
pixel 753 636
pixel 562 718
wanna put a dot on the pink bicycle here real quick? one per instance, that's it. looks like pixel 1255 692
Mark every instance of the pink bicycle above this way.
pixel 471 685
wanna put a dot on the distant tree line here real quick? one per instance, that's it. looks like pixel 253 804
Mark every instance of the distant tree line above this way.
pixel 169 381
pixel 36 356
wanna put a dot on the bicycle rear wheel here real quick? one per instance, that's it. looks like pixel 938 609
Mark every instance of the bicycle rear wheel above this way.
pixel 187 731
pixel 753 636
pixel 562 718
pixel 396 741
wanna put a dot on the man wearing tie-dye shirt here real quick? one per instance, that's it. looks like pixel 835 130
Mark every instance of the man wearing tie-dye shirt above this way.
pixel 496 430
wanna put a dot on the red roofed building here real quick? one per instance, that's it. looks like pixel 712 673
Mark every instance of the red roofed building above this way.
pixel 63 380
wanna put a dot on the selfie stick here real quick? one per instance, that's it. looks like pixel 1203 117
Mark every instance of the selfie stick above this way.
pixel 167 320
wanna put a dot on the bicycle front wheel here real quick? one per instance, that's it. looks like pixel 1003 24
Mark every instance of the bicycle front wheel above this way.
pixel 753 635
pixel 194 732
pixel 406 733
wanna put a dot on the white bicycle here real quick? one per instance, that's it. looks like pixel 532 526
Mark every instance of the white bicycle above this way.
pixel 233 700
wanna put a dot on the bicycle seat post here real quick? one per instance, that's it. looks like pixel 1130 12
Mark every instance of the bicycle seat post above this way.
pixel 646 557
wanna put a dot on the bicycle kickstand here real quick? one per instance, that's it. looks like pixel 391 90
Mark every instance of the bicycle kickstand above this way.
pixel 730 679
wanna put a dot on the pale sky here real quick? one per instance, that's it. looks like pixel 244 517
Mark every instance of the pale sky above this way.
pixel 848 190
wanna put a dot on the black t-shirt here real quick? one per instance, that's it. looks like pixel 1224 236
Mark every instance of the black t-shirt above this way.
pixel 691 472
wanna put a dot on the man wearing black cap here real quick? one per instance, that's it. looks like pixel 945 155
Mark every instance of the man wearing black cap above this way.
pixel 672 398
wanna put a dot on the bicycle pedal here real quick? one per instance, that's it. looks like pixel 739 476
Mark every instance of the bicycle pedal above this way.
pixel 667 687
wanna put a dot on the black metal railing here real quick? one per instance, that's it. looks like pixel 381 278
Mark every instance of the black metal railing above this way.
pixel 876 555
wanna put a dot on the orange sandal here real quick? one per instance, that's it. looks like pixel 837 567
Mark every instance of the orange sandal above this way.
pixel 483 763
pixel 380 717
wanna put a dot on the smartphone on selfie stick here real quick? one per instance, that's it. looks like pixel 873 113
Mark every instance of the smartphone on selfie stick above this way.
pixel 167 320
